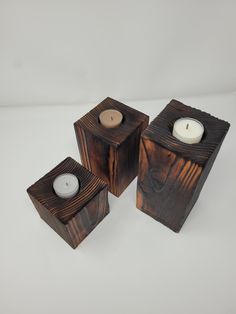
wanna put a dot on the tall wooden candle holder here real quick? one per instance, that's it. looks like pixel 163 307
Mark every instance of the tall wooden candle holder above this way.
pixel 172 173
pixel 73 218
pixel 110 147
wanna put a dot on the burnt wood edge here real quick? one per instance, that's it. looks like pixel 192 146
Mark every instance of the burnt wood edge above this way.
pixel 55 171
pixel 118 191
pixel 199 185
pixel 60 227
pixel 79 124
pixel 160 131
pixel 80 133
pixel 184 149
pixel 83 147
pixel 174 101
pixel 85 204
pixel 92 226
pixel 201 181
pixel 119 102
pixel 58 165
pixel 52 221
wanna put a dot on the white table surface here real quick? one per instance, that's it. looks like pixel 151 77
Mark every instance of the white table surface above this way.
pixel 130 263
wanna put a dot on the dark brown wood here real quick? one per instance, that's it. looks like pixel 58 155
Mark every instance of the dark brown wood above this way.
pixel 112 154
pixel 73 219
pixel 172 173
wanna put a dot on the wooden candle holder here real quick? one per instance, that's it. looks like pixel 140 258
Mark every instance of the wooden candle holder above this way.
pixel 172 173
pixel 112 154
pixel 73 219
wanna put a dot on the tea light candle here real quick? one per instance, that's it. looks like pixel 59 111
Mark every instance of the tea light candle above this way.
pixel 66 185
pixel 188 130
pixel 110 118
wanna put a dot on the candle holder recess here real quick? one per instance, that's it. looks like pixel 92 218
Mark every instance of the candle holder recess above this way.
pixel 72 218
pixel 111 152
pixel 172 173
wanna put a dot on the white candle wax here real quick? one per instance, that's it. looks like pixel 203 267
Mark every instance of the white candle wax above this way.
pixel 66 185
pixel 188 130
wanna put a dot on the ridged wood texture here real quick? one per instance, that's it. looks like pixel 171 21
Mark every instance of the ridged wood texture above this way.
pixel 73 219
pixel 172 173
pixel 111 154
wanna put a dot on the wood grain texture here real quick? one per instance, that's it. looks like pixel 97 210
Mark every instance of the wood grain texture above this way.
pixel 111 154
pixel 74 218
pixel 172 173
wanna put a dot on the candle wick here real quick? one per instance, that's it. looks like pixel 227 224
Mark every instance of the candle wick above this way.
pixel 111 118
pixel 187 126
pixel 67 183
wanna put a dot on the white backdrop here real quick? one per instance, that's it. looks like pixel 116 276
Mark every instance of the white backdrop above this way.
pixel 130 263
pixel 74 51
pixel 61 53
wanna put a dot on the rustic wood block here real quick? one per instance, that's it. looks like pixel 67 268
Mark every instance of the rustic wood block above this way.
pixel 74 218
pixel 112 154
pixel 172 173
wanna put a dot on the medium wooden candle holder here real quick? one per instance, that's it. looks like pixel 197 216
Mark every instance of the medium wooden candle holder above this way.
pixel 74 218
pixel 172 173
pixel 111 153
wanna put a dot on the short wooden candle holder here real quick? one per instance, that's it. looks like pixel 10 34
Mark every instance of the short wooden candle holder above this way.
pixel 111 153
pixel 74 218
pixel 172 173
